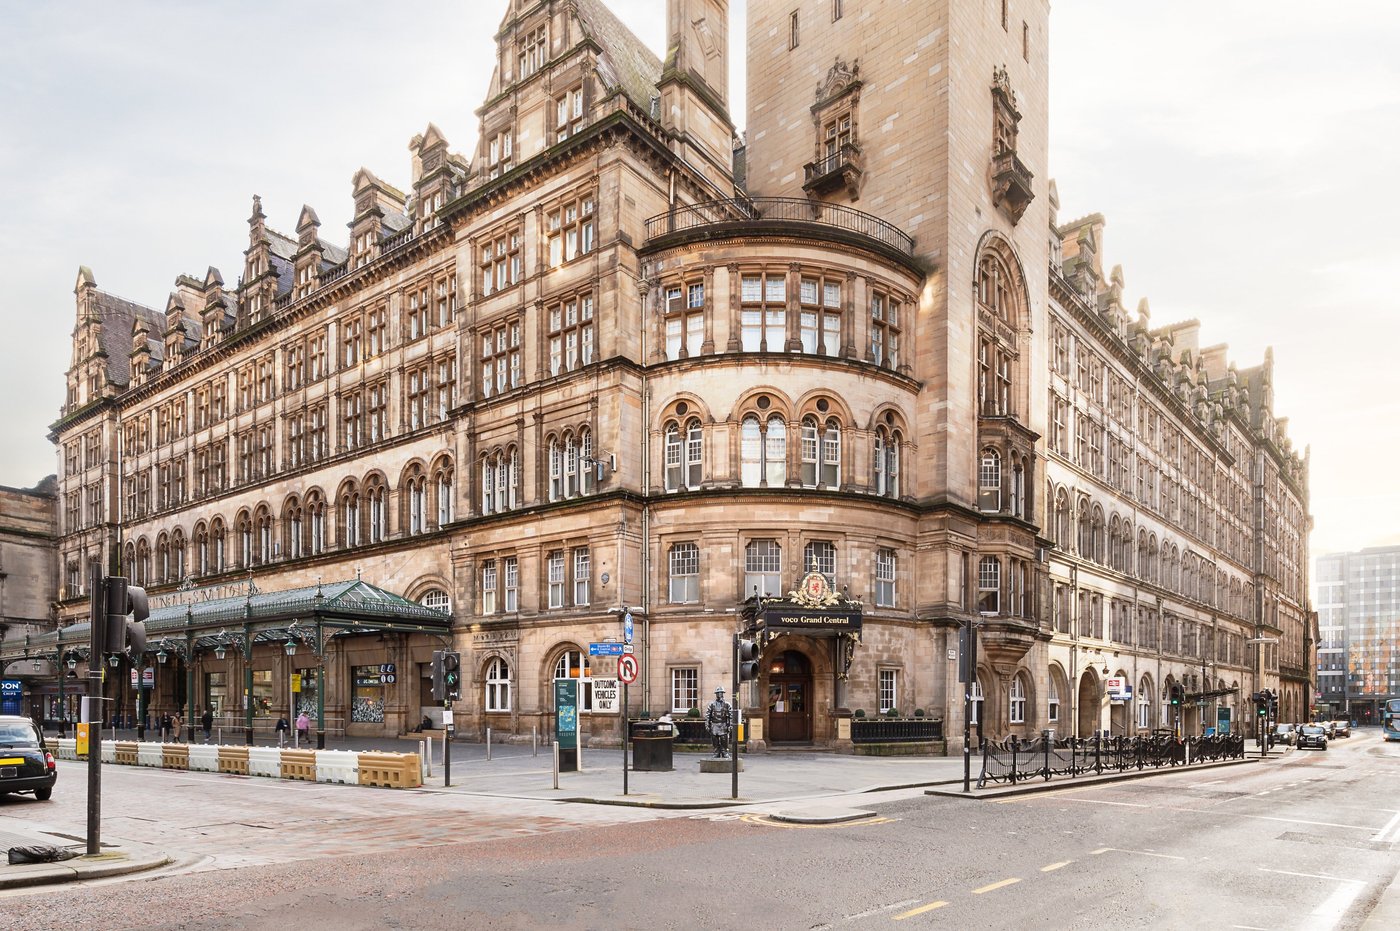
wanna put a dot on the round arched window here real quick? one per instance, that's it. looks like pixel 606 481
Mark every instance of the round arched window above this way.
pixel 436 599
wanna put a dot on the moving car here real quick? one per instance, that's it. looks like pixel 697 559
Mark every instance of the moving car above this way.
pixel 1284 734
pixel 1341 728
pixel 1312 735
pixel 26 765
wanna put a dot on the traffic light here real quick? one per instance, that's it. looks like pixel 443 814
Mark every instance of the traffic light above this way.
pixel 1177 693
pixel 1261 703
pixel 451 675
pixel 748 660
pixel 437 676
pixel 1273 702
pixel 127 610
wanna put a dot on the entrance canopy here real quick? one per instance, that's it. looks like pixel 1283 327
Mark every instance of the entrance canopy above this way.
pixel 193 621
pixel 813 610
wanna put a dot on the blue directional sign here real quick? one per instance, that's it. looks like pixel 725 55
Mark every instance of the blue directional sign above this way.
pixel 627 629
pixel 605 649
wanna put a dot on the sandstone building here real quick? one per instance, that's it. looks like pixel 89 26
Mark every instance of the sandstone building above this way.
pixel 617 358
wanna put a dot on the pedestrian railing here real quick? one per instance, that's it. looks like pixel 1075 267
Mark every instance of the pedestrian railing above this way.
pixel 1015 760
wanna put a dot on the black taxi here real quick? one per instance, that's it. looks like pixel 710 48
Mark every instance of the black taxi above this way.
pixel 26 765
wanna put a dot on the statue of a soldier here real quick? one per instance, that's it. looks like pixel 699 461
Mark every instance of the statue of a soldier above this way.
pixel 718 717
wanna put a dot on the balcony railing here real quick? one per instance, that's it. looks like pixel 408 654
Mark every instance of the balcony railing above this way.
pixel 777 211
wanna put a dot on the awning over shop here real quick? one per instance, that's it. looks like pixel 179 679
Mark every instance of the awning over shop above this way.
pixel 195 618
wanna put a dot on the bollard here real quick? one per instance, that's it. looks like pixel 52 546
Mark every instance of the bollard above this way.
pixel 534 740
pixel 556 764
pixel 488 745
pixel 219 735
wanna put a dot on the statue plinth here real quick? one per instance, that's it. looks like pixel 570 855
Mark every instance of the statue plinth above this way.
pixel 719 766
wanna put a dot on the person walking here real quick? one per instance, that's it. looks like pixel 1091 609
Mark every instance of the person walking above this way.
pixel 303 727
pixel 282 729
pixel 206 721
pixel 177 723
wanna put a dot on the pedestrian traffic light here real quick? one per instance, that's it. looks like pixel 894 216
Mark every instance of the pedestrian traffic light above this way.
pixel 437 676
pixel 451 675
pixel 127 610
pixel 747 659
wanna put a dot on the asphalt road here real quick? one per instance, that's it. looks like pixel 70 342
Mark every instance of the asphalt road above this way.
pixel 1306 842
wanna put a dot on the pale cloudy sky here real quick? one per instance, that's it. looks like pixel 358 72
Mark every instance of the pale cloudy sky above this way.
pixel 1244 154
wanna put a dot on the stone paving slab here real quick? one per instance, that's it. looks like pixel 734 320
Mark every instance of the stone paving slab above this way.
pixel 111 862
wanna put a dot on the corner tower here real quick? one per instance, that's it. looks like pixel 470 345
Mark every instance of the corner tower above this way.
pixel 694 85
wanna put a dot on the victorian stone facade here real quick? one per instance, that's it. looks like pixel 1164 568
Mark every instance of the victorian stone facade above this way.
pixel 616 360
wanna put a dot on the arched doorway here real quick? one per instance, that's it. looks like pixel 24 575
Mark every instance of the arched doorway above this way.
pixel 1089 720
pixel 790 698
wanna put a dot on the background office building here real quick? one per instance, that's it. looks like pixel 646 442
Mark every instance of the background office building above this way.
pixel 1358 608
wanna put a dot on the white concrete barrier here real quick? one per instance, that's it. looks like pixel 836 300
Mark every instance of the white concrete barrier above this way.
pixel 109 751
pixel 265 761
pixel 204 758
pixel 338 766
pixel 150 753
pixel 67 748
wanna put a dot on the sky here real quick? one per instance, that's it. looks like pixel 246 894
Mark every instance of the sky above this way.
pixel 1242 153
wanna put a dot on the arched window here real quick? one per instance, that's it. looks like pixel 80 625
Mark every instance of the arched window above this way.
pixel 572 664
pixel 684 454
pixel 556 469
pixel 350 516
pixel 887 444
pixel 497 685
pixel 216 543
pixel 162 558
pixel 488 484
pixel 201 549
pixel 763 452
pixel 1096 535
pixel 1086 540
pixel 1017 705
pixel 1062 520
pixel 378 498
pixel 443 482
pixel 263 524
pixel 989 586
pixel 293 527
pixel 1052 706
pixel 245 540
pixel 587 462
pixel 316 521
pixel 989 481
pixel 143 561
pixel 437 599
pixel 417 504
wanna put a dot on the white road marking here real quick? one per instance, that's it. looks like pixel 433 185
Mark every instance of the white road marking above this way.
pixel 878 910
pixel 1329 913
pixel 1335 879
pixel 1145 853
pixel 1388 832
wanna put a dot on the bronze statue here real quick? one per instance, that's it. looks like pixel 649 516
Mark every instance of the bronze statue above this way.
pixel 718 717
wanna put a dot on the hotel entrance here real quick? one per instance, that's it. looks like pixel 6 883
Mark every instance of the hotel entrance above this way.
pixel 790 698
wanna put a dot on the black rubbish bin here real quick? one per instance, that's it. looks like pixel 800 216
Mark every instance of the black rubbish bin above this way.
pixel 652 745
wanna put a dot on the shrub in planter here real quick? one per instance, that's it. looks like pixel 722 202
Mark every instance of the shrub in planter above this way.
pixel 918 712
pixel 892 713
pixel 859 713
pixel 693 713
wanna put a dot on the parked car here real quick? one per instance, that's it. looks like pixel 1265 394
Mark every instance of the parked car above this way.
pixel 1341 728
pixel 1312 735
pixel 26 765
pixel 1286 734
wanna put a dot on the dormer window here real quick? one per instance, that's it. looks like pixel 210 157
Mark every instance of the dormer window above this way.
pixel 306 280
pixel 568 114
pixel 533 49
pixel 364 246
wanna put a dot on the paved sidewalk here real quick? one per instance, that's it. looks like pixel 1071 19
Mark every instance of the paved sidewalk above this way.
pixel 112 861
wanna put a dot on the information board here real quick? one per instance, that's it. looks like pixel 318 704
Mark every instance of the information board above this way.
pixel 566 713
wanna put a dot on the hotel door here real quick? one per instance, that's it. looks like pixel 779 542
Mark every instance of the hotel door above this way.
pixel 790 699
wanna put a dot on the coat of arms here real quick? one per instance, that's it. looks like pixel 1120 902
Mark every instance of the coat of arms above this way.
pixel 815 590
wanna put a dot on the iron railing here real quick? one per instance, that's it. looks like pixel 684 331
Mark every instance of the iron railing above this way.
pixel 1015 760
pixel 734 211
pixel 895 730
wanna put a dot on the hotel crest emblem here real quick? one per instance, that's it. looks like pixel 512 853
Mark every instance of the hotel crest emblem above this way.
pixel 814 591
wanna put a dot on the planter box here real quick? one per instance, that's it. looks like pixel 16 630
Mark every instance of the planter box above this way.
pixel 903 748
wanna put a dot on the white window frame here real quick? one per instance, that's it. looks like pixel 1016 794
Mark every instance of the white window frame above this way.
pixel 498 686
pixel 1016 708
pixel 888 689
pixel 886 565
pixel 554 563
pixel 683 573
pixel 685 688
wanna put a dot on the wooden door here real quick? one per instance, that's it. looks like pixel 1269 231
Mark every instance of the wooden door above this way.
pixel 790 700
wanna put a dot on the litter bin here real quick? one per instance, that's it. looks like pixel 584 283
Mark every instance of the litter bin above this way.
pixel 652 746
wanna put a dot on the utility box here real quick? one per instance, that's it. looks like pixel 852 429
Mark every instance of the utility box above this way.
pixel 652 745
